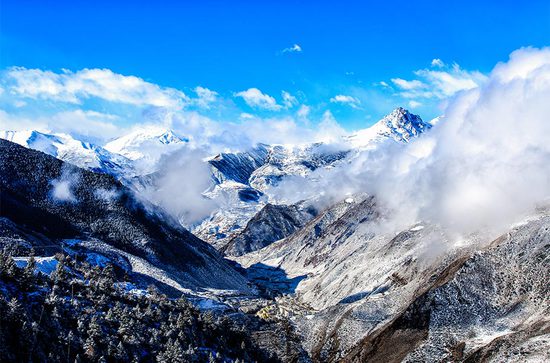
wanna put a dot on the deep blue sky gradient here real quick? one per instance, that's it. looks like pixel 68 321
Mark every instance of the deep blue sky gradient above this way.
pixel 229 46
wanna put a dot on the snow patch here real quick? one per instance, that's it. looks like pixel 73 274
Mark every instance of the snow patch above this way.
pixel 45 265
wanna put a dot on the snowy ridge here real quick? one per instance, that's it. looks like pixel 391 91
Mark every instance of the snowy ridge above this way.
pixel 66 148
pixel 242 181
pixel 146 146
pixel 400 125
pixel 255 172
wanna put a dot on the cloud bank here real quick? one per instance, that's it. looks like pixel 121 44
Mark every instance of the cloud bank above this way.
pixel 482 167
pixel 257 99
pixel 73 87
pixel 183 177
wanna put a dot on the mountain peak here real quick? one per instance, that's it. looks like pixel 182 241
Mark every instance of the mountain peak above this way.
pixel 399 125
pixel 137 143
pixel 169 137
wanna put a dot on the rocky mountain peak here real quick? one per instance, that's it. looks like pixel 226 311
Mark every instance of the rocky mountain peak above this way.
pixel 401 125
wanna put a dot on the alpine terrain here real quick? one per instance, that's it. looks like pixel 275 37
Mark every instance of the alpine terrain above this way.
pixel 289 264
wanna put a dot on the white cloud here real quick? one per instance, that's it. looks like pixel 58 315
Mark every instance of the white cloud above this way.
pixel 92 124
pixel 205 97
pixel 408 85
pixel 56 103
pixel 294 49
pixel 73 87
pixel 439 84
pixel 186 172
pixel 436 62
pixel 62 188
pixel 289 100
pixel 524 63
pixel 255 98
pixel 303 111
pixel 414 104
pixel 344 99
pixel 246 116
pixel 483 167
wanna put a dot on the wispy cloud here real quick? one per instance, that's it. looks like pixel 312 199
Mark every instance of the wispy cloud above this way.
pixel 288 99
pixel 74 87
pixel 296 48
pixel 438 84
pixel 414 104
pixel 345 99
pixel 408 85
pixel 303 111
pixel 62 188
pixel 257 99
pixel 205 97
pixel 436 62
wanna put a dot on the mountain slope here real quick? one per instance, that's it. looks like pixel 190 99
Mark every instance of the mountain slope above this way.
pixel 400 125
pixel 272 223
pixel 492 305
pixel 257 173
pixel 146 146
pixel 42 195
pixel 374 294
pixel 82 154
pixel 238 166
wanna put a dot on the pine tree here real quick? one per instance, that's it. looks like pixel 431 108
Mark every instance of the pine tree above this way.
pixel 60 274
pixel 7 265
pixel 120 353
pixel 90 348
pixel 15 310
pixel 28 271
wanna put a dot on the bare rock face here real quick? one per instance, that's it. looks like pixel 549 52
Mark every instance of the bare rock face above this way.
pixel 272 223
pixel 239 166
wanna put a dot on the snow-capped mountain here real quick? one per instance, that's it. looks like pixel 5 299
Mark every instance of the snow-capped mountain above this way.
pixel 375 295
pixel 79 153
pixel 257 171
pixel 47 202
pixel 146 146
pixel 353 287
pixel 400 125
pixel 242 181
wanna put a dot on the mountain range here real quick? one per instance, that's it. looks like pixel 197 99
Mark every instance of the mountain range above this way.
pixel 325 269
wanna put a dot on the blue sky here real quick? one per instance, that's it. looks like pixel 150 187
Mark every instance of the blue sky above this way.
pixel 357 60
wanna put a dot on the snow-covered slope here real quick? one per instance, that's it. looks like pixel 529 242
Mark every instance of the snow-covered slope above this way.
pixel 272 223
pixel 65 147
pixel 294 160
pixel 238 166
pixel 488 305
pixel 257 171
pixel 146 146
pixel 46 202
pixel 379 295
pixel 400 125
